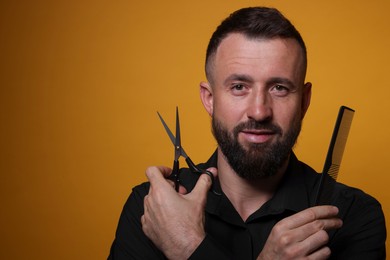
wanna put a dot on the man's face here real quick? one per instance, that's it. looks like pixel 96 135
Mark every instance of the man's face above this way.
pixel 258 100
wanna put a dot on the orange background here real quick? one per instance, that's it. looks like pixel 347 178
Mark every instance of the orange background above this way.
pixel 81 81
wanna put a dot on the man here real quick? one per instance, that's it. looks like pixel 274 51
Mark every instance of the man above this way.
pixel 257 97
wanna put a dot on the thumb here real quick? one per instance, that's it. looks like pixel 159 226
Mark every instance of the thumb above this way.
pixel 157 174
pixel 201 188
pixel 214 171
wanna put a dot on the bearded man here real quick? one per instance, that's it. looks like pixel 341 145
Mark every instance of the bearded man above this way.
pixel 257 97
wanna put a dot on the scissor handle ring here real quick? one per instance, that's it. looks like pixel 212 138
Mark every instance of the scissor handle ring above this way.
pixel 210 174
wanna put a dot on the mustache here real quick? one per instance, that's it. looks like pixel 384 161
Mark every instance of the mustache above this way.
pixel 257 125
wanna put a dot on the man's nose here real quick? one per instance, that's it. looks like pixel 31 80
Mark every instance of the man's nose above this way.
pixel 260 107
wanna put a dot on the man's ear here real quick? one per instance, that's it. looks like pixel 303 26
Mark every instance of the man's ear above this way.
pixel 306 97
pixel 206 95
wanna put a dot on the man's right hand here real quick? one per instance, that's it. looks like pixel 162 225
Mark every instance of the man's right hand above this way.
pixel 302 235
pixel 173 221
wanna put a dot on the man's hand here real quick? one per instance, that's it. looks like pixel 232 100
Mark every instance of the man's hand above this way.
pixel 174 221
pixel 303 235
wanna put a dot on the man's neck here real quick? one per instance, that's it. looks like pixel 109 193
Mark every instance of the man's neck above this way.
pixel 247 196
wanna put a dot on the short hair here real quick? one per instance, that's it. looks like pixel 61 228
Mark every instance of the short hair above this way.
pixel 254 23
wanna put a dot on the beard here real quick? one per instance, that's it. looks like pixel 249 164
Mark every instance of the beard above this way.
pixel 259 160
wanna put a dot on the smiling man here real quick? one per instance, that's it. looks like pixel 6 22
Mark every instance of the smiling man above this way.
pixel 257 97
pixel 257 100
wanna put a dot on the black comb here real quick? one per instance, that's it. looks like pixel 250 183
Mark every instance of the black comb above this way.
pixel 335 154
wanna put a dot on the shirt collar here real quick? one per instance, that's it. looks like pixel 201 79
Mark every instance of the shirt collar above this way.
pixel 292 194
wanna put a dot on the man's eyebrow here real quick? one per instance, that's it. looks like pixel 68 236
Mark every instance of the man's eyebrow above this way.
pixel 281 80
pixel 238 77
pixel 249 79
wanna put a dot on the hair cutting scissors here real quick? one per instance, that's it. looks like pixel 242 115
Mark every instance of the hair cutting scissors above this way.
pixel 179 151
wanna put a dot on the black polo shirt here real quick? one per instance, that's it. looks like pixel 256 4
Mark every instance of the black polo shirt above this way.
pixel 362 236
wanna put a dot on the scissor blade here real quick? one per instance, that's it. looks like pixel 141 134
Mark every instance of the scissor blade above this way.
pixel 177 139
pixel 170 134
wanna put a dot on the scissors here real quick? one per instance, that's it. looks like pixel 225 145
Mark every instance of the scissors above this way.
pixel 179 151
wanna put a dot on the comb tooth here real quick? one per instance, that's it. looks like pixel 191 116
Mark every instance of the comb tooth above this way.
pixel 334 171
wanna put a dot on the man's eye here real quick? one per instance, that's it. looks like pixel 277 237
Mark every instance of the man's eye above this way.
pixel 238 87
pixel 280 88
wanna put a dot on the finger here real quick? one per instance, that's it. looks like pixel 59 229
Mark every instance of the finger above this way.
pixel 316 244
pixel 306 245
pixel 157 174
pixel 201 188
pixel 214 171
pixel 309 215
pixel 182 190
pixel 309 229
pixel 166 171
pixel 322 253
pixel 333 223
pixel 317 240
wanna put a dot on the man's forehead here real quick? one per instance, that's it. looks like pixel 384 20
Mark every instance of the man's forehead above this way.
pixel 239 50
pixel 243 43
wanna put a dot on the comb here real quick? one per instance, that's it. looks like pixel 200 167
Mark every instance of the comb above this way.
pixel 335 154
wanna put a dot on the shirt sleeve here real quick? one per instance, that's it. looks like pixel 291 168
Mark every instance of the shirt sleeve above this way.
pixel 363 234
pixel 130 241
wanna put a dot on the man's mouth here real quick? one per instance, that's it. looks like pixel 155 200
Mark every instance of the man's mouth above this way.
pixel 257 135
